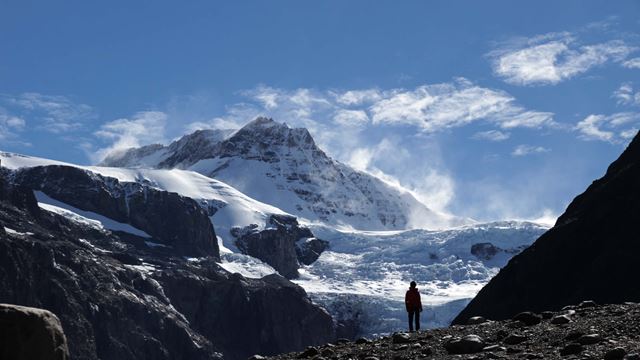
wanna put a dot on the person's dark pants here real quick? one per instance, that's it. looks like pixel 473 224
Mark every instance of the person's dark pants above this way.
pixel 414 314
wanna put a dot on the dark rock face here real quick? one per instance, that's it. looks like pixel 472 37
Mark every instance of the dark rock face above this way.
pixel 172 219
pixel 484 251
pixel 607 331
pixel 591 252
pixel 119 299
pixel 31 334
pixel 284 244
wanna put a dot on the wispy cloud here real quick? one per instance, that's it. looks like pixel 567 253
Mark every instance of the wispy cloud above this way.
pixel 448 105
pixel 52 113
pixel 430 108
pixel 10 125
pixel 141 129
pixel 554 57
pixel 491 135
pixel 523 150
pixel 609 127
pixel 632 63
pixel 625 95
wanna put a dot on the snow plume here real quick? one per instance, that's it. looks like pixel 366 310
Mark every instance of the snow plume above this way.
pixel 143 128
pixel 428 183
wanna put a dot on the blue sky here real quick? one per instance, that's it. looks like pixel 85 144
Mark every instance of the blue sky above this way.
pixel 493 109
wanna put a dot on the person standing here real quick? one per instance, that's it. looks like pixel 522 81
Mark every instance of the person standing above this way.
pixel 414 305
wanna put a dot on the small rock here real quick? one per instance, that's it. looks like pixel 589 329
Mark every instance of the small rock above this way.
pixel 528 318
pixel 514 339
pixel 512 350
pixel 257 357
pixel 416 346
pixel 547 314
pixel 590 339
pixel 309 352
pixel 587 304
pixel 571 349
pixel 467 345
pixel 402 347
pixel 532 356
pixel 492 356
pixel 361 341
pixel 328 353
pixel 401 338
pixel 476 320
pixel 615 354
pixel 494 347
pixel 573 335
pixel 371 358
pixel 632 357
pixel 560 320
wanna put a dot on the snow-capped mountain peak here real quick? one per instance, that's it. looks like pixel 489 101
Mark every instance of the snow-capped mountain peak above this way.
pixel 283 166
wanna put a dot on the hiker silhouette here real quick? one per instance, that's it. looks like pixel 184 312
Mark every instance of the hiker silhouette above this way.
pixel 414 305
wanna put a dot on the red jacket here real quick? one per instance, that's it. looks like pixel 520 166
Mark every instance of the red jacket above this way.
pixel 412 300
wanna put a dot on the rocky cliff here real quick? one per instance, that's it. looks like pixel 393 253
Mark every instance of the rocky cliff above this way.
pixel 283 244
pixel 590 253
pixel 171 219
pixel 118 298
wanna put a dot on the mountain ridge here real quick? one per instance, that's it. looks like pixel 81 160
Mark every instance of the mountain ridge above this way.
pixel 283 166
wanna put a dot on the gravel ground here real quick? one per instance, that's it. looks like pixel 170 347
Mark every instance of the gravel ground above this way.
pixel 583 331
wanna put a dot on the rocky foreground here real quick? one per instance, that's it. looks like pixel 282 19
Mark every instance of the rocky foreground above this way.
pixel 583 331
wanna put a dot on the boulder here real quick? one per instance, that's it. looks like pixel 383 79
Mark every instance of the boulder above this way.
pixel 28 333
pixel 469 344
pixel 528 318
pixel 475 320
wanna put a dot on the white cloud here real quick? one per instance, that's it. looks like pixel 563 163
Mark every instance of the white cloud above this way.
pixel 143 128
pixel 10 124
pixel 632 63
pixel 628 134
pixel 626 96
pixel 358 97
pixel 351 117
pixel 491 135
pixel 442 106
pixel 523 150
pixel 56 114
pixel 552 58
pixel 605 127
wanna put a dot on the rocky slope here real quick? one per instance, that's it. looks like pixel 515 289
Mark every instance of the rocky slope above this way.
pixel 584 331
pixel 591 252
pixel 284 167
pixel 119 296
pixel 171 219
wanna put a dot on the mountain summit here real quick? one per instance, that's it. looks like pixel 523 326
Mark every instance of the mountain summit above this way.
pixel 283 166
